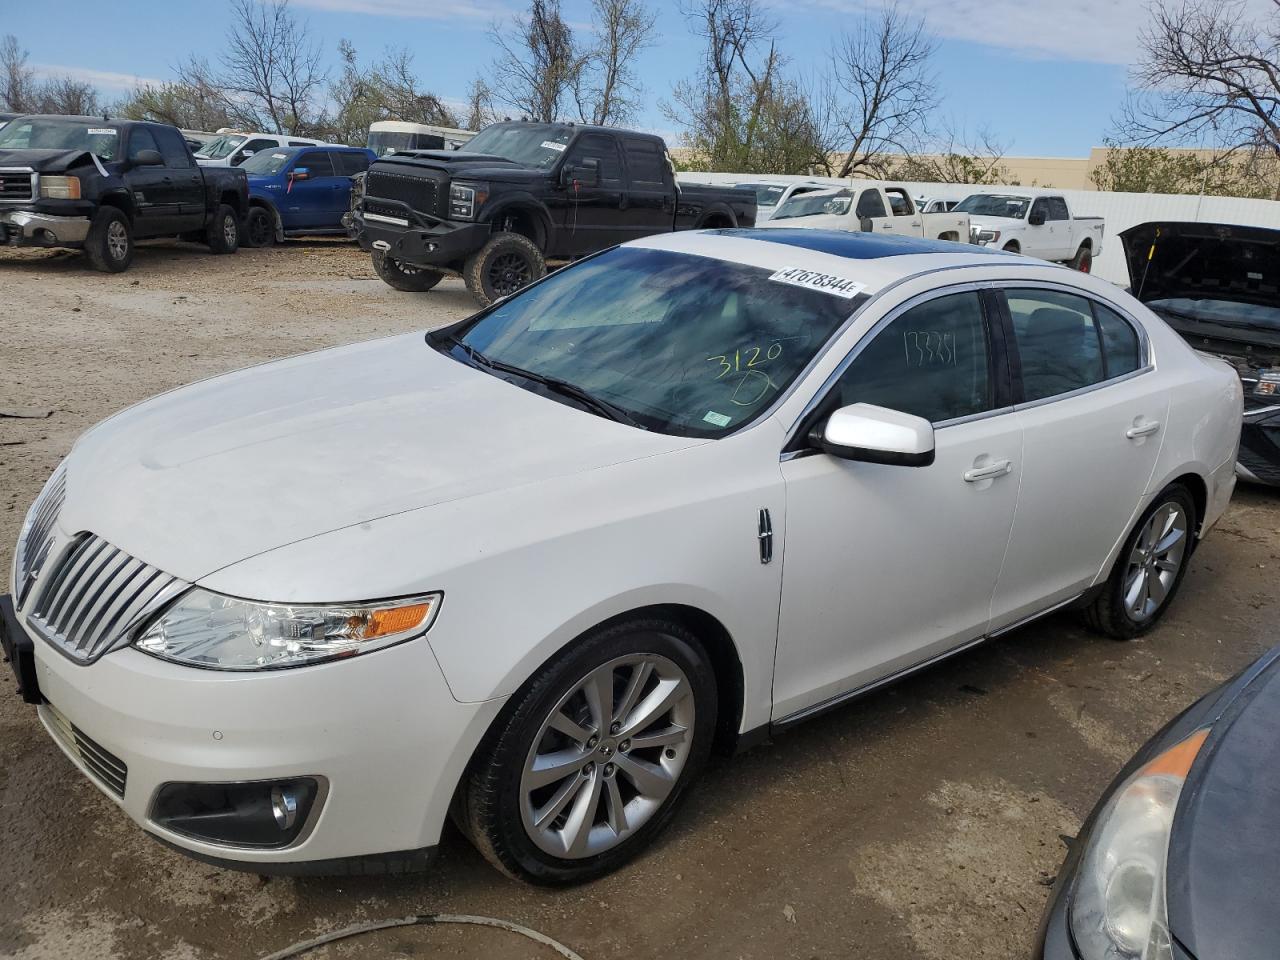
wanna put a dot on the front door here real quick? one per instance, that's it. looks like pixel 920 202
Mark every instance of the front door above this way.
pixel 1041 241
pixel 593 215
pixel 310 200
pixel 886 567
pixel 155 203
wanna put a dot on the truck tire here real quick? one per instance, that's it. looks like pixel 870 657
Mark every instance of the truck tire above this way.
pixel 502 266
pixel 223 235
pixel 259 228
pixel 1012 247
pixel 109 245
pixel 404 276
pixel 1083 260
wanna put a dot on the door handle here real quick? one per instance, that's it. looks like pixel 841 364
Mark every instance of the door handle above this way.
pixel 915 223
pixel 1144 430
pixel 997 468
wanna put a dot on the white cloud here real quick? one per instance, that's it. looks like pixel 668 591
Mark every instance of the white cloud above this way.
pixel 100 79
pixel 479 12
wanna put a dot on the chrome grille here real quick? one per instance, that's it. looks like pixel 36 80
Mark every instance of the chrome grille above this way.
pixel 95 594
pixel 419 193
pixel 17 185
pixel 37 534
pixel 102 764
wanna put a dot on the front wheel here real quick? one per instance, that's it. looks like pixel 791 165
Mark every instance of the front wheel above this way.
pixel 259 228
pixel 590 760
pixel 109 245
pixel 223 235
pixel 1083 260
pixel 1149 569
pixel 505 264
pixel 404 276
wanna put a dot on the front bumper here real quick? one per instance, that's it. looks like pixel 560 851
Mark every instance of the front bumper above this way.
pixel 401 234
pixel 381 731
pixel 28 228
pixel 1259 459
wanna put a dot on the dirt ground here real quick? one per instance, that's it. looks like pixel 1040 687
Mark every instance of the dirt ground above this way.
pixel 922 821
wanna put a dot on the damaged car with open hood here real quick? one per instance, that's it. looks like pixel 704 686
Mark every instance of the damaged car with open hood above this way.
pixel 1218 285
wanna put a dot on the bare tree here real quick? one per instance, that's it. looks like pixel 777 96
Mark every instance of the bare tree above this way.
pixel 956 158
pixel 193 104
pixel 18 85
pixel 608 88
pixel 69 96
pixel 272 72
pixel 538 64
pixel 386 90
pixel 1208 72
pixel 885 89
pixel 480 109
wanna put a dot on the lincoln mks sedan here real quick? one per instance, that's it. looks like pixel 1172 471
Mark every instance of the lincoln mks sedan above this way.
pixel 527 571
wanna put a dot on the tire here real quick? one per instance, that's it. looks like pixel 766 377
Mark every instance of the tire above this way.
pixel 1116 611
pixel 1083 260
pixel 505 264
pixel 109 244
pixel 607 775
pixel 223 235
pixel 259 228
pixel 404 276
pixel 1011 248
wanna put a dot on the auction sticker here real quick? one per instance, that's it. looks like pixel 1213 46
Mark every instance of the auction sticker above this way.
pixel 552 145
pixel 813 280
pixel 101 132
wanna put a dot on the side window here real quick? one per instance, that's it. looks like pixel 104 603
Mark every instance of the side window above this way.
pixel 899 203
pixel 1057 342
pixel 644 161
pixel 140 138
pixel 931 362
pixel 1058 209
pixel 301 143
pixel 317 162
pixel 172 147
pixel 1039 207
pixel 1120 344
pixel 349 162
pixel 871 204
pixel 254 146
pixel 602 148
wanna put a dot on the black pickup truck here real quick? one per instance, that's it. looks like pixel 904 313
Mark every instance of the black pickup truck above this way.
pixel 99 185
pixel 520 194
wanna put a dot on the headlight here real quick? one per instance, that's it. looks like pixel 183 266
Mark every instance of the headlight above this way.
pixel 988 236
pixel 60 188
pixel 1118 904
pixel 466 198
pixel 206 629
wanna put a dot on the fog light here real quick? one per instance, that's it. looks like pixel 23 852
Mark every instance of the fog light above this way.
pixel 257 813
pixel 284 806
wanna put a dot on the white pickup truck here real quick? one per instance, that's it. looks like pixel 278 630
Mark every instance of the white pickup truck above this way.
pixel 868 207
pixel 1039 225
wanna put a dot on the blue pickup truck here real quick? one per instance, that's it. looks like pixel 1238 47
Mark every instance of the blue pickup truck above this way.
pixel 300 191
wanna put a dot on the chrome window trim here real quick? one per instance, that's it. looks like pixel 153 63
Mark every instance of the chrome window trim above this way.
pixel 1081 391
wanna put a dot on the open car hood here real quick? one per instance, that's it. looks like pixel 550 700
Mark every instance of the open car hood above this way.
pixel 1172 260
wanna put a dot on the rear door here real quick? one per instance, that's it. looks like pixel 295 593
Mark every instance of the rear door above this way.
pixel 1093 414
pixel 651 195
pixel 185 180
pixel 346 164
pixel 1063 235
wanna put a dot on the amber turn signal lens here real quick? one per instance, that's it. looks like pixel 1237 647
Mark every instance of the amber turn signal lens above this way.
pixel 1177 760
pixel 381 623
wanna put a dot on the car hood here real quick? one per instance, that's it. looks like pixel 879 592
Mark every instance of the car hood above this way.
pixel 471 166
pixel 45 161
pixel 212 473
pixel 1170 260
pixel 992 223
pixel 1224 846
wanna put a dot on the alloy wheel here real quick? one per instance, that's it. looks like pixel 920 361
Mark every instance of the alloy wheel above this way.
pixel 1155 560
pixel 508 273
pixel 230 232
pixel 117 240
pixel 607 756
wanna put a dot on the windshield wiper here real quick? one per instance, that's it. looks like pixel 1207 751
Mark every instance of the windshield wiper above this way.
pixel 554 384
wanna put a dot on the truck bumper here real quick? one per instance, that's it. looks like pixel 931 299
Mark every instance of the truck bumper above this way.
pixel 437 245
pixel 26 228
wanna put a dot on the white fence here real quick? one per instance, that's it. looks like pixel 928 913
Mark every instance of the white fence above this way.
pixel 1120 210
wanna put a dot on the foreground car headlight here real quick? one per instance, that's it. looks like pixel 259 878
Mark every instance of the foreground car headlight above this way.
pixel 1118 904
pixel 60 188
pixel 206 629
pixel 466 198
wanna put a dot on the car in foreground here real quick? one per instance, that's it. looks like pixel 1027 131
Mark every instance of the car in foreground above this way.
pixel 1215 284
pixel 97 185
pixel 870 208
pixel 1178 859
pixel 529 568
pixel 301 191
pixel 231 149
pixel 1035 224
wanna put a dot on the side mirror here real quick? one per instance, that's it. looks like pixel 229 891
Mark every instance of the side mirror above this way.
pixel 148 158
pixel 586 175
pixel 865 225
pixel 241 157
pixel 862 431
pixel 1036 219
pixel 300 173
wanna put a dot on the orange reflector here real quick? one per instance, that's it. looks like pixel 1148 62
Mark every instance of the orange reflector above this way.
pixel 396 620
pixel 1177 760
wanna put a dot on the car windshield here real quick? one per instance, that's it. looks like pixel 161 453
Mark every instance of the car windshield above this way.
pixel 812 204
pixel 529 144
pixel 682 344
pixel 220 147
pixel 42 134
pixel 1222 312
pixel 267 163
pixel 767 194
pixel 993 205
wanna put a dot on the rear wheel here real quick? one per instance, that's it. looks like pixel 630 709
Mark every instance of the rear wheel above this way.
pixel 590 760
pixel 404 276
pixel 1149 569
pixel 1083 260
pixel 505 264
pixel 259 228
pixel 223 235
pixel 109 245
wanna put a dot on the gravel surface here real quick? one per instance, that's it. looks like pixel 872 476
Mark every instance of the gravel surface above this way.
pixel 920 822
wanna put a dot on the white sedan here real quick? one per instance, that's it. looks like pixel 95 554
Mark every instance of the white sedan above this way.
pixel 532 567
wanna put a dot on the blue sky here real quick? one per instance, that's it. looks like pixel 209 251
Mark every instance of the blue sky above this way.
pixel 1044 76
